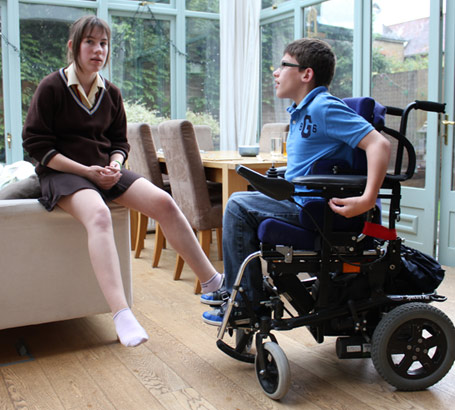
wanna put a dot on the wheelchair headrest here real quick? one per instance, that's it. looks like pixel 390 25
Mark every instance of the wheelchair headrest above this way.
pixel 369 109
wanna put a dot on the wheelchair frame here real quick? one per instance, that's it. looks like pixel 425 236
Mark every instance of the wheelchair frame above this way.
pixel 377 325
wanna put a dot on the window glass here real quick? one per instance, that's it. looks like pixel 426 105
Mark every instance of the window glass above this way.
pixel 154 1
pixel 140 64
pixel 270 3
pixel 203 73
pixel 400 68
pixel 333 22
pixel 43 36
pixel 274 38
pixel 2 120
pixel 203 5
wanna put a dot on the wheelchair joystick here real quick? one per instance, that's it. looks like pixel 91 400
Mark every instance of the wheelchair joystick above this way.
pixel 272 172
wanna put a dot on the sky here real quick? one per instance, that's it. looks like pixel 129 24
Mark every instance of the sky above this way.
pixel 338 12
pixel 398 11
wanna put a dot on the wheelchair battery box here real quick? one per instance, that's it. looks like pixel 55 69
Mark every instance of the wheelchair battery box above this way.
pixel 353 347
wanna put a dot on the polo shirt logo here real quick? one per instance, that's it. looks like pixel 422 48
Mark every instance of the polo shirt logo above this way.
pixel 307 127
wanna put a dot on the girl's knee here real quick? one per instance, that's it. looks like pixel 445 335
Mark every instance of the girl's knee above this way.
pixel 162 205
pixel 101 217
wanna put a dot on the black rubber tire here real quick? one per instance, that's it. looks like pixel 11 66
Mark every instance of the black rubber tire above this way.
pixel 413 346
pixel 276 382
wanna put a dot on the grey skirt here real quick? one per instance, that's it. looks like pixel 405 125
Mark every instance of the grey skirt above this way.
pixel 55 185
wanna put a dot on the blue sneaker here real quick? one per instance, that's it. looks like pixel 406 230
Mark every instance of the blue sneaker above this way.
pixel 213 317
pixel 216 298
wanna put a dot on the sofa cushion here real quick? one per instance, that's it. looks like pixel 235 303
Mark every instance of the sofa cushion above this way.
pixel 24 189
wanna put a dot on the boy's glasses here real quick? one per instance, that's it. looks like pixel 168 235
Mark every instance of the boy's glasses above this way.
pixel 286 64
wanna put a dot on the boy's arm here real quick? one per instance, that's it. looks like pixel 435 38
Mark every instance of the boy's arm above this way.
pixel 377 149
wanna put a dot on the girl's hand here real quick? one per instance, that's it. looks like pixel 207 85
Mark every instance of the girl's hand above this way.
pixel 115 164
pixel 105 177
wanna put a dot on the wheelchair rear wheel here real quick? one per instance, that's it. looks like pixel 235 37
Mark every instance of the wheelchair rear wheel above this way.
pixel 275 379
pixel 412 346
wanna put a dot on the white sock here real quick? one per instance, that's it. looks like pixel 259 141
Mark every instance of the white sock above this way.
pixel 213 284
pixel 129 331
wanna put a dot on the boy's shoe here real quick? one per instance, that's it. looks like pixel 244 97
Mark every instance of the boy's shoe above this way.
pixel 215 317
pixel 216 298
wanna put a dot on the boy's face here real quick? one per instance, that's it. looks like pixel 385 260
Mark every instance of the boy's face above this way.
pixel 288 80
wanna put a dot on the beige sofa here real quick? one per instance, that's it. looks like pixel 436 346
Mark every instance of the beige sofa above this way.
pixel 45 272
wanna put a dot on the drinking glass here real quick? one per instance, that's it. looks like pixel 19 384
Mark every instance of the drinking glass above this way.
pixel 276 146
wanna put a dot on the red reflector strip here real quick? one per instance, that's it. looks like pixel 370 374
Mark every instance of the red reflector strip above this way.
pixel 347 268
pixel 379 231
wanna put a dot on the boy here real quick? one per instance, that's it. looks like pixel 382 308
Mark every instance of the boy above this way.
pixel 321 127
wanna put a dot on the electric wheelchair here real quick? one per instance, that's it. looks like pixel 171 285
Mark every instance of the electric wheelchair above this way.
pixel 343 278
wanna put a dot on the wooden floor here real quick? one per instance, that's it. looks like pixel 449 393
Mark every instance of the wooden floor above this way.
pixel 78 364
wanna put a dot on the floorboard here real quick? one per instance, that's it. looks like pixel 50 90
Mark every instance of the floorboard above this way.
pixel 80 364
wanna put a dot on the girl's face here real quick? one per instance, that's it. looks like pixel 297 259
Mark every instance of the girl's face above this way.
pixel 93 52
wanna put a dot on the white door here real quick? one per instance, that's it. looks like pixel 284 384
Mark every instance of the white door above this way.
pixel 447 209
pixel 407 55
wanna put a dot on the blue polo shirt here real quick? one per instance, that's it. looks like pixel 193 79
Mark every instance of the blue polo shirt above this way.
pixel 321 127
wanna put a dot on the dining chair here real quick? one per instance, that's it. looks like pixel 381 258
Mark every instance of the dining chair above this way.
pixel 189 186
pixel 267 131
pixel 204 137
pixel 143 160
pixel 156 136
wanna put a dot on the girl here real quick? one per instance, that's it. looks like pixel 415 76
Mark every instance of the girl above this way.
pixel 76 130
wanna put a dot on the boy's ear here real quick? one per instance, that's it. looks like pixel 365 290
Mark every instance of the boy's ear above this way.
pixel 70 44
pixel 307 75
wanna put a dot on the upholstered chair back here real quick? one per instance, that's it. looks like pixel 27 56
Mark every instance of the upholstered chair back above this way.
pixel 267 131
pixel 204 137
pixel 187 176
pixel 142 157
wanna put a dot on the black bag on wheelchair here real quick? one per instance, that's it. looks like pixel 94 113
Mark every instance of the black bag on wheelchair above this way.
pixel 420 273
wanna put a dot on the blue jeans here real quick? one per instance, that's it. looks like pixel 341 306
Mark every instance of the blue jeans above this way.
pixel 242 216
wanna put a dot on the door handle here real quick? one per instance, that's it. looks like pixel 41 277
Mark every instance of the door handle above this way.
pixel 446 123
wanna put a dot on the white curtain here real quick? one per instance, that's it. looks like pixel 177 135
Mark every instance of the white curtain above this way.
pixel 239 72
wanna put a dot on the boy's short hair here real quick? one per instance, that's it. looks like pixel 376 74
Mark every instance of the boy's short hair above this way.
pixel 80 29
pixel 317 54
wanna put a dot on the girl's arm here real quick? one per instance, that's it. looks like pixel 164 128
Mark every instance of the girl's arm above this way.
pixel 104 177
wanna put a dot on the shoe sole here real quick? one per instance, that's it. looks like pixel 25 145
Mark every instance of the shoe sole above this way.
pixel 212 302
pixel 211 322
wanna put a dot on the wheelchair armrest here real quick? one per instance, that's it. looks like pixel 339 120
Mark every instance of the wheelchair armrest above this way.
pixel 330 183
pixel 276 188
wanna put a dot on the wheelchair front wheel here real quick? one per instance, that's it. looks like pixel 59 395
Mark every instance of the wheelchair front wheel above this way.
pixel 275 379
pixel 412 346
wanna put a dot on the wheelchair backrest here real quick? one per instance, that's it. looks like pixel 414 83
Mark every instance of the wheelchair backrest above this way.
pixel 371 111
pixel 403 161
pixel 374 113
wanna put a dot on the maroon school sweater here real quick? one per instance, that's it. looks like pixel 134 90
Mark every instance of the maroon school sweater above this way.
pixel 58 122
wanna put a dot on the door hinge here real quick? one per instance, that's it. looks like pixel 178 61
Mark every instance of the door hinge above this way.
pixel 9 140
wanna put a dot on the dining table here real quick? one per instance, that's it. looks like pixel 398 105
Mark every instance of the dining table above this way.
pixel 220 166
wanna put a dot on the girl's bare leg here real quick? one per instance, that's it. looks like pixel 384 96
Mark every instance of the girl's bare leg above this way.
pixel 88 207
pixel 146 198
